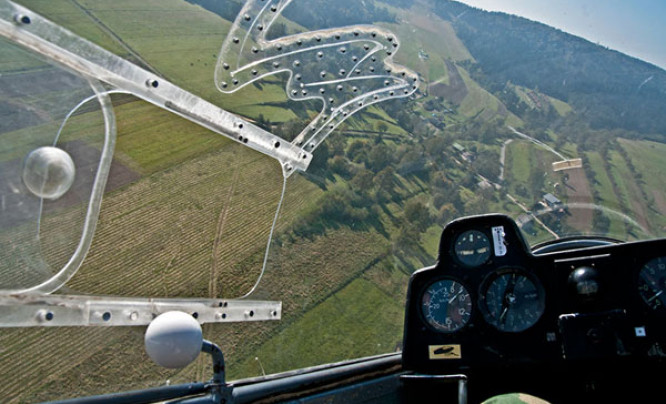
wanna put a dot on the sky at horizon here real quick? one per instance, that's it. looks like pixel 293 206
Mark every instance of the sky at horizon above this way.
pixel 634 27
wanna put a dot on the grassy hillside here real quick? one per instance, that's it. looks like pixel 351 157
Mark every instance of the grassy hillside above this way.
pixel 339 336
pixel 604 82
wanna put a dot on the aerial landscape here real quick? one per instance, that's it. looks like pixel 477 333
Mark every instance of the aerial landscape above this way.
pixel 510 116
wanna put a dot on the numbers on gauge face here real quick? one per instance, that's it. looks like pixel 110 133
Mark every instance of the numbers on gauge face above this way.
pixel 512 301
pixel 652 284
pixel 446 305
pixel 472 248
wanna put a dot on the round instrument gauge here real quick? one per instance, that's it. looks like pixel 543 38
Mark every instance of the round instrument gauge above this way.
pixel 446 305
pixel 652 284
pixel 512 301
pixel 472 248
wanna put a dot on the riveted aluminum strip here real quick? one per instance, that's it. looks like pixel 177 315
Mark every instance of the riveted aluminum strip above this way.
pixel 32 310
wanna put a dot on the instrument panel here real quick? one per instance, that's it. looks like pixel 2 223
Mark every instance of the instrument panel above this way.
pixel 490 304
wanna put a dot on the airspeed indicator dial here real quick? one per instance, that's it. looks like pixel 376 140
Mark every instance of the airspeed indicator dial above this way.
pixel 446 305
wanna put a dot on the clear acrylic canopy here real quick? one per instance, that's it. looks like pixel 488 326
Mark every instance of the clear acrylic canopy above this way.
pixel 261 160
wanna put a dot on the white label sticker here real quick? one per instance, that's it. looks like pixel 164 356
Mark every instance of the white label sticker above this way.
pixel 498 241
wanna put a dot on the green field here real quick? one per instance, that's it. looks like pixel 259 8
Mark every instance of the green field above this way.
pixel 14 59
pixel 561 107
pixel 602 181
pixel 523 161
pixel 70 15
pixel 647 158
pixel 357 321
pixel 518 163
pixel 437 42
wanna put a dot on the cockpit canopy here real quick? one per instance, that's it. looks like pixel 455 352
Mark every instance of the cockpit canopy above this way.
pixel 278 169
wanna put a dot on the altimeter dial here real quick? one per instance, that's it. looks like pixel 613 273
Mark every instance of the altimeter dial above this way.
pixel 446 305
pixel 512 300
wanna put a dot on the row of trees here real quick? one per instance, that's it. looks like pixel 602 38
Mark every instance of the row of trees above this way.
pixel 419 173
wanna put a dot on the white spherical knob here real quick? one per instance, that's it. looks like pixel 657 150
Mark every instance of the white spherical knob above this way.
pixel 48 172
pixel 173 339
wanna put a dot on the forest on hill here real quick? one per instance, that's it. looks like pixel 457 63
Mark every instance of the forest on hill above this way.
pixel 608 89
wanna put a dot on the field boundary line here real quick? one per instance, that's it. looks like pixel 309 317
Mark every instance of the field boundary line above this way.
pixel 105 28
pixel 221 224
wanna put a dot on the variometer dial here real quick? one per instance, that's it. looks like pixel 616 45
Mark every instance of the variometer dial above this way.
pixel 446 305
pixel 652 284
pixel 512 301
pixel 472 248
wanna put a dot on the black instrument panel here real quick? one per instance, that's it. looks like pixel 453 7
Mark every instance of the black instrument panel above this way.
pixel 490 304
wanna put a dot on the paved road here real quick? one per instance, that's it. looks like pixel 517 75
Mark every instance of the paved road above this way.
pixel 503 158
pixel 536 219
pixel 537 142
